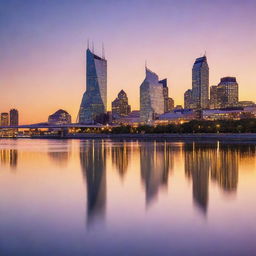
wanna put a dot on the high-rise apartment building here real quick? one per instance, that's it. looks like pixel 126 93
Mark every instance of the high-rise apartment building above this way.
pixel 227 92
pixel 120 106
pixel 94 102
pixel 151 97
pixel 14 117
pixel 200 83
pixel 4 119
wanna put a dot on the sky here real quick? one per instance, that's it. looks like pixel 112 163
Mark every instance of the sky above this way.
pixel 43 44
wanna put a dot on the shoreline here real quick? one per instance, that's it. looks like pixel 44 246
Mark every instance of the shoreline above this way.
pixel 248 137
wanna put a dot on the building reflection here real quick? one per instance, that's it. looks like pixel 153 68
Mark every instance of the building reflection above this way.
pixel 93 164
pixel 220 162
pixel 9 157
pixel 120 157
pixel 59 154
pixel 156 160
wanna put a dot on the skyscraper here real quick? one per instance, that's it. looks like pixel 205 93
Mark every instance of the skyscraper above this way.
pixel 14 117
pixel 188 102
pixel 120 106
pixel 168 102
pixel 214 97
pixel 227 92
pixel 200 83
pixel 151 97
pixel 4 119
pixel 94 102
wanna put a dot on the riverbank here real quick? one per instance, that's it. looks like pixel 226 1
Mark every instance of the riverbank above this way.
pixel 242 137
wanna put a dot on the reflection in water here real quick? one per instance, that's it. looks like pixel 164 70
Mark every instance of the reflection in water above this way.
pixel 93 164
pixel 9 157
pixel 155 162
pixel 221 161
pixel 59 154
pixel 120 157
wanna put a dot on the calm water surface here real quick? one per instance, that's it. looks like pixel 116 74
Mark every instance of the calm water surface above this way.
pixel 103 197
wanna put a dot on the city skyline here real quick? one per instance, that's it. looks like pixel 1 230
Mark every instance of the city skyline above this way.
pixel 43 58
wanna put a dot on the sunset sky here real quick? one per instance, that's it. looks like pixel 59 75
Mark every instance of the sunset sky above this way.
pixel 43 44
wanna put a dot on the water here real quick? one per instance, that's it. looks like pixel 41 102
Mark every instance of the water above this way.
pixel 103 197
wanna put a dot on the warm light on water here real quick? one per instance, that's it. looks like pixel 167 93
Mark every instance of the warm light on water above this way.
pixel 103 197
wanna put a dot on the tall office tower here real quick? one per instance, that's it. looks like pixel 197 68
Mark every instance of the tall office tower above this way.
pixel 200 83
pixel 188 101
pixel 214 97
pixel 14 117
pixel 4 119
pixel 151 97
pixel 120 106
pixel 94 102
pixel 227 92
pixel 165 94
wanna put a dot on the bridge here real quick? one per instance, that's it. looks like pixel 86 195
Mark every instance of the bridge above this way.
pixel 56 126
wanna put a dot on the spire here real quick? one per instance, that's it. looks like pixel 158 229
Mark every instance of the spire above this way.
pixel 88 44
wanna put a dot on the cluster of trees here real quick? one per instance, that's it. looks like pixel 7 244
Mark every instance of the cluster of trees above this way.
pixel 194 126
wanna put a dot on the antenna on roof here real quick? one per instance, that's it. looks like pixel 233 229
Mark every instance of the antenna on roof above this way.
pixel 205 53
pixel 103 51
pixel 88 44
pixel 145 64
pixel 92 46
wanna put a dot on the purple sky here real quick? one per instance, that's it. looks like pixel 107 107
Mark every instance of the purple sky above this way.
pixel 43 43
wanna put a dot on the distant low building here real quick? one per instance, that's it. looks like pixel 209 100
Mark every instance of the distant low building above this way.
pixel 229 114
pixel 60 117
pixel 178 107
pixel 170 104
pixel 4 119
pixel 177 116
pixel 133 119
pixel 246 103
pixel 214 97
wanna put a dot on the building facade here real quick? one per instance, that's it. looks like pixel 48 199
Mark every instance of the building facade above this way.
pixel 14 117
pixel 60 117
pixel 120 106
pixel 227 92
pixel 214 97
pixel 151 97
pixel 188 101
pixel 94 102
pixel 4 119
pixel 200 83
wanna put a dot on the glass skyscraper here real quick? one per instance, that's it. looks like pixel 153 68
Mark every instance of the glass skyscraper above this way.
pixel 151 97
pixel 94 102
pixel 200 83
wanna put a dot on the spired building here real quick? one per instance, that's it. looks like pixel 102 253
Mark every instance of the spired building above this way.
pixel 94 103
pixel 200 83
pixel 151 97
pixel 14 117
pixel 120 106
pixel 227 92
